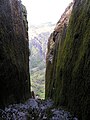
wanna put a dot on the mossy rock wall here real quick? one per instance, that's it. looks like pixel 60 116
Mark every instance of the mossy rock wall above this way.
pixel 14 54
pixel 55 41
pixel 73 63
pixel 51 63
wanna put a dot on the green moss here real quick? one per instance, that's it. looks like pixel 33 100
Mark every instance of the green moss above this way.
pixel 70 71
pixel 73 63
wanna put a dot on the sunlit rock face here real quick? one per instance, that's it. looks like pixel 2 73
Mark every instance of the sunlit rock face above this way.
pixel 14 53
pixel 55 38
pixel 68 72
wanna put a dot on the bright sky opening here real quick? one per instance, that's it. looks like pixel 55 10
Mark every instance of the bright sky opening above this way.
pixel 42 11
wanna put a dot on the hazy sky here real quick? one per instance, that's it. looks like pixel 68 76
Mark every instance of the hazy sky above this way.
pixel 42 11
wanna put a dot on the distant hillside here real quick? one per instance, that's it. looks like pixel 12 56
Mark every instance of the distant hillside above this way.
pixel 38 44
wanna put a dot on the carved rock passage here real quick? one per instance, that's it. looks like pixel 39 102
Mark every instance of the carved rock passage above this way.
pixel 68 72
pixel 14 53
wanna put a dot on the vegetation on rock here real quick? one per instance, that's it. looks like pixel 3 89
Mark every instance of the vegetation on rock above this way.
pixel 56 38
pixel 71 64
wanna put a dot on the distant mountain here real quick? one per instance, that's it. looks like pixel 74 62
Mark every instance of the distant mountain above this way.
pixel 38 44
pixel 45 27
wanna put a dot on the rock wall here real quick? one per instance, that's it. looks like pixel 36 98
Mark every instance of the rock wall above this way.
pixel 68 61
pixel 56 38
pixel 14 53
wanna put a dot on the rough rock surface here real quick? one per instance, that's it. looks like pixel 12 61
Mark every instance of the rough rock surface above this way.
pixel 55 38
pixel 68 62
pixel 35 110
pixel 14 53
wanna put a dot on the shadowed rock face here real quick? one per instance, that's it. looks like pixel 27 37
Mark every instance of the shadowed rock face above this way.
pixel 14 53
pixel 68 72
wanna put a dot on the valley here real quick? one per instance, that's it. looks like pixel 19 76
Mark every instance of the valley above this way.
pixel 38 47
